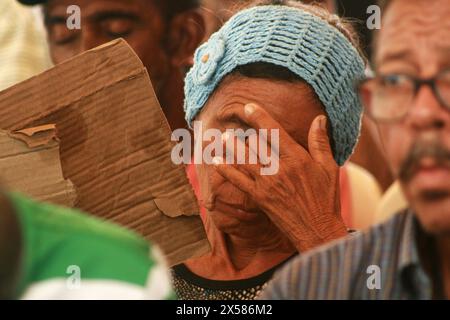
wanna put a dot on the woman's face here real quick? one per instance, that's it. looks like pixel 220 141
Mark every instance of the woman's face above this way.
pixel 293 105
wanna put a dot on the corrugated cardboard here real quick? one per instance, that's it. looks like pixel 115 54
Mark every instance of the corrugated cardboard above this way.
pixel 115 145
pixel 30 164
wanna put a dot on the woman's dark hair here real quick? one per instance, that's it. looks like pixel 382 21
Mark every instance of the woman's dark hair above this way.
pixel 265 70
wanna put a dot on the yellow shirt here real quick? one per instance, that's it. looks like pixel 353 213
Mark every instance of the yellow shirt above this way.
pixel 23 49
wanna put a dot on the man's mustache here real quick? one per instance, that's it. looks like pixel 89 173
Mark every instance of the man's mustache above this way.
pixel 424 149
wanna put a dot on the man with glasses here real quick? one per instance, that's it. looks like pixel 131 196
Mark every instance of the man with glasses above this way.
pixel 408 257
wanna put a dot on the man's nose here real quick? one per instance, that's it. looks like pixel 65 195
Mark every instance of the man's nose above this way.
pixel 89 39
pixel 427 113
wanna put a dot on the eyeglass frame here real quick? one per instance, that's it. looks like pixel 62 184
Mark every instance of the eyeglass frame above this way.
pixel 417 85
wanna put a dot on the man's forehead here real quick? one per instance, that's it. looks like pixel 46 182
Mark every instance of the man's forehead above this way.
pixel 94 8
pixel 57 3
pixel 406 24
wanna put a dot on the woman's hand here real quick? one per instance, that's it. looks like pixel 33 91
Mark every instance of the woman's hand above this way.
pixel 302 198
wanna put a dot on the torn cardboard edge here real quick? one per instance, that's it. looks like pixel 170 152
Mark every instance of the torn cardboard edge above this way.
pixel 115 145
pixel 30 164
pixel 37 136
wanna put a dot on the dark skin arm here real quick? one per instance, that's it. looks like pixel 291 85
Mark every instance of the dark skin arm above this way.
pixel 10 246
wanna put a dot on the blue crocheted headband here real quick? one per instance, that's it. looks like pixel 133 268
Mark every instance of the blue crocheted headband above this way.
pixel 297 40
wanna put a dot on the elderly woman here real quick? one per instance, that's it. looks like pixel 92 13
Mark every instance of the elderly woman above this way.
pixel 276 65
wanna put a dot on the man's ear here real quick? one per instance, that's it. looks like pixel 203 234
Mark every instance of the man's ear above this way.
pixel 186 31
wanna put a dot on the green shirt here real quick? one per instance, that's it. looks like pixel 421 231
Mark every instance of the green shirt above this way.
pixel 70 255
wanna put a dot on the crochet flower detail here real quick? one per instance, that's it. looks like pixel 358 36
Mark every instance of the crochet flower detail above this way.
pixel 208 59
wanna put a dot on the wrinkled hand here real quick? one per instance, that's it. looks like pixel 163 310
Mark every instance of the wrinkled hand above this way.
pixel 302 198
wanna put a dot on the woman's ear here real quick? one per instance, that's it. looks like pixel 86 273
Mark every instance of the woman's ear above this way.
pixel 186 31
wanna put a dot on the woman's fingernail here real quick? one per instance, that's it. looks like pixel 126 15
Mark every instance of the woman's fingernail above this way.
pixel 249 109
pixel 216 161
pixel 323 123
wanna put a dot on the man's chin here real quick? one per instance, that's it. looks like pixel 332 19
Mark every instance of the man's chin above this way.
pixel 433 211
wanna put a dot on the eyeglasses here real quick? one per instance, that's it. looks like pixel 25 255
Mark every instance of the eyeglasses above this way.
pixel 391 95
